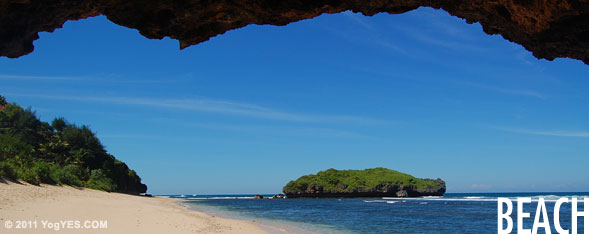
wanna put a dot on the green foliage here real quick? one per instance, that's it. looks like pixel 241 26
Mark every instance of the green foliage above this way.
pixel 29 176
pixel 99 180
pixel 60 153
pixel 69 175
pixel 45 172
pixel 12 147
pixel 23 124
pixel 59 124
pixel 343 181
pixel 7 170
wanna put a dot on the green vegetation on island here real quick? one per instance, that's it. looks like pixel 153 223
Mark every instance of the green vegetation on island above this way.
pixel 368 182
pixel 58 153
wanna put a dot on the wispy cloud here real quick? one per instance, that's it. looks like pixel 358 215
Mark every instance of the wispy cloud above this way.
pixel 359 19
pixel 41 78
pixel 442 22
pixel 369 31
pixel 213 106
pixel 520 92
pixel 584 134
pixel 453 43
pixel 274 129
pixel 130 136
pixel 100 78
pixel 431 30
pixel 327 132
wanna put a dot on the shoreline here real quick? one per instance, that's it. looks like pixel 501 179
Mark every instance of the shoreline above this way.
pixel 41 206
pixel 270 226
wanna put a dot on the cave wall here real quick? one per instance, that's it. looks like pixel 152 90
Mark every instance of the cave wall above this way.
pixel 549 28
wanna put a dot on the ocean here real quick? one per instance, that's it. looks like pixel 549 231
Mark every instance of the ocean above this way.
pixel 452 213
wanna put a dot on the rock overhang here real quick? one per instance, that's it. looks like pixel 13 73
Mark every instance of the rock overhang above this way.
pixel 549 29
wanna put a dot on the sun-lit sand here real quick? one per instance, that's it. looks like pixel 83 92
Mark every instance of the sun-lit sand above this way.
pixel 123 213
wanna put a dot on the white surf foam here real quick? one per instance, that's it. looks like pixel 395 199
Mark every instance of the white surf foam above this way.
pixel 217 198
pixel 378 201
pixel 547 198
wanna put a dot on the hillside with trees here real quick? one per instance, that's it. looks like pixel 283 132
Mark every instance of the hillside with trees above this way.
pixel 58 153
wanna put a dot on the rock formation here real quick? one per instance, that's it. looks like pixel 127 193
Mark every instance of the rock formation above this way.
pixel 376 182
pixel 548 28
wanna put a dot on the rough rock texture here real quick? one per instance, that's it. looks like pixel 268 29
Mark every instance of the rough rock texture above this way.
pixel 384 190
pixel 548 28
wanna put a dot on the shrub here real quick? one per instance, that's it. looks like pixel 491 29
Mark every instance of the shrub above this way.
pixel 8 171
pixel 69 175
pixel 98 180
pixel 29 175
pixel 46 172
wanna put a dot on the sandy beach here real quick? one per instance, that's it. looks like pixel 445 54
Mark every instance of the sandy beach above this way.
pixel 43 206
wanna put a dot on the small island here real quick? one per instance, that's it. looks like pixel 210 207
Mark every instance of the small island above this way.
pixel 375 182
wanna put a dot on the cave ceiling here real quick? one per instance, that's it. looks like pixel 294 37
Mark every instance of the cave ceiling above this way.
pixel 549 29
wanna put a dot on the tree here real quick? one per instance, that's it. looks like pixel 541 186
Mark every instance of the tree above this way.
pixel 58 153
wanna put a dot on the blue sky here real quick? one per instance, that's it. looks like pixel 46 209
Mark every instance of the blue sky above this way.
pixel 247 111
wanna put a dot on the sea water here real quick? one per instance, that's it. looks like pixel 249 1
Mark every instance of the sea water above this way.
pixel 452 213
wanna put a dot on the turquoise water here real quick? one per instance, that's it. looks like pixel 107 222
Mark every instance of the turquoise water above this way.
pixel 452 213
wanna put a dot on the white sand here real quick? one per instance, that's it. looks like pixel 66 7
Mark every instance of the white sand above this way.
pixel 124 213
